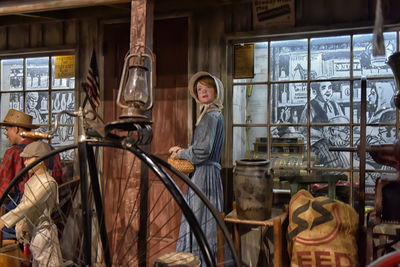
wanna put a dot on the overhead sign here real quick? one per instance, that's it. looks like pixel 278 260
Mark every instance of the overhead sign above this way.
pixel 268 13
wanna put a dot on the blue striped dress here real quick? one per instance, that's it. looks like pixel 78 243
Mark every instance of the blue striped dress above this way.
pixel 205 154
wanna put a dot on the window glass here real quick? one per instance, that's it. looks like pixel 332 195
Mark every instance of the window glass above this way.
pixel 250 104
pixel 249 142
pixel 288 151
pixel 379 96
pixel 375 136
pixel 62 100
pixel 260 62
pixel 288 139
pixel 64 136
pixel 288 102
pixel 12 74
pixel 324 137
pixel 330 57
pixel 30 91
pixel 365 63
pixel 329 103
pixel 8 100
pixel 315 105
pixel 289 60
pixel 36 105
pixel 37 73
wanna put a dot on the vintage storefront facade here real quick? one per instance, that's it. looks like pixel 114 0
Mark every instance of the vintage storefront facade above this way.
pixel 317 41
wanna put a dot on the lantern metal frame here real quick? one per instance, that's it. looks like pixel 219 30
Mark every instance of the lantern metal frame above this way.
pixel 136 111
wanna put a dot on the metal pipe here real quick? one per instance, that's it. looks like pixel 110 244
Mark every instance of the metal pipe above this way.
pixel 24 6
pixel 361 189
pixel 372 148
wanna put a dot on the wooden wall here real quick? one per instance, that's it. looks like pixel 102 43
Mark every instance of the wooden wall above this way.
pixel 78 35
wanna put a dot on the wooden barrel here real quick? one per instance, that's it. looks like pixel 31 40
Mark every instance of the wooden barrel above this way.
pixel 252 184
pixel 177 259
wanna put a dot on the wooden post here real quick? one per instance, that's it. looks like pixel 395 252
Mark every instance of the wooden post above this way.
pixel 236 232
pixel 277 241
pixel 141 36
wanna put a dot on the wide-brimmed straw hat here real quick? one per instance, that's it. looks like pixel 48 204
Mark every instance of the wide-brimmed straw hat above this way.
pixel 19 119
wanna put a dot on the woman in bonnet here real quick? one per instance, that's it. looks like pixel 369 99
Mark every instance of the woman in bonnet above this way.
pixel 205 154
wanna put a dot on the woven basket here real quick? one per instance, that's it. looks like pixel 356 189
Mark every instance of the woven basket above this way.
pixel 184 166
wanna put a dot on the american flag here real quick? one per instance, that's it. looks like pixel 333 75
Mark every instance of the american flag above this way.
pixel 92 82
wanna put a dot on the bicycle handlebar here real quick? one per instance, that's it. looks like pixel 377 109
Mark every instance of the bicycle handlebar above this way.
pixel 36 135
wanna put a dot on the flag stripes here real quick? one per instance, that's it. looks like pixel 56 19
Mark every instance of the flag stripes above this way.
pixel 92 82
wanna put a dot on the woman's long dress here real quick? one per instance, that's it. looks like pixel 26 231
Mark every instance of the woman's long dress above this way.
pixel 205 153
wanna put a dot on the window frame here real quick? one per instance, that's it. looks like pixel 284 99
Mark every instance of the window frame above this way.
pixel 7 55
pixel 231 83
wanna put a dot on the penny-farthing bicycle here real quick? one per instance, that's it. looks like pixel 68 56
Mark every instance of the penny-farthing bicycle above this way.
pixel 111 221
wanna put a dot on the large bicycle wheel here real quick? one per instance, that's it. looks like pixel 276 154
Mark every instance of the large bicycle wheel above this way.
pixel 130 220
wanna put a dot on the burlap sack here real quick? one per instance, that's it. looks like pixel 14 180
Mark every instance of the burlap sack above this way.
pixel 321 232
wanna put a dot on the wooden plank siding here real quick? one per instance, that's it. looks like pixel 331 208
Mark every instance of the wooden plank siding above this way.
pixel 3 38
pixel 38 36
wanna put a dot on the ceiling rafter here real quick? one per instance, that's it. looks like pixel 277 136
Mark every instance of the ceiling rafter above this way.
pixel 31 6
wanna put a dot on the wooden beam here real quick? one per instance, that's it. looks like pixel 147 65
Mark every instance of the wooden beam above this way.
pixel 26 6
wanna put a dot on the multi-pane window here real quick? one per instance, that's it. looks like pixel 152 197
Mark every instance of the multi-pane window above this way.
pixel 40 86
pixel 304 98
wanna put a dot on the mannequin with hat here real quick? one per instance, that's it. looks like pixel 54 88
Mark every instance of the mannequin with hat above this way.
pixel 16 122
pixel 204 153
pixel 32 216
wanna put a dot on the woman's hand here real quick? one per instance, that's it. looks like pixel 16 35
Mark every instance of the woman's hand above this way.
pixel 174 149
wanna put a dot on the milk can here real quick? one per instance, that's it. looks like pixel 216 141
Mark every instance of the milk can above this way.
pixel 252 184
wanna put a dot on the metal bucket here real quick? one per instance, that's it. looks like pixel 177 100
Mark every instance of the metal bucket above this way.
pixel 252 184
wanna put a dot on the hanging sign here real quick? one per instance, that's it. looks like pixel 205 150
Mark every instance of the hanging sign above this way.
pixel 276 13
pixel 64 67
